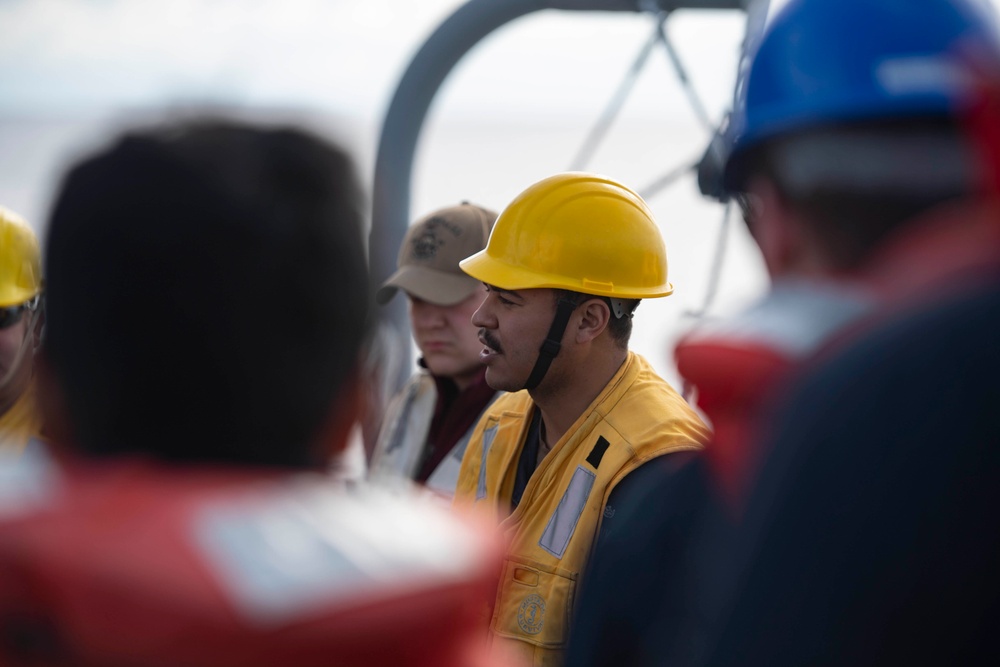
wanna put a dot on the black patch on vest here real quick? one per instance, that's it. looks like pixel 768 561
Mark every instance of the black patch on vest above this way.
pixel 597 453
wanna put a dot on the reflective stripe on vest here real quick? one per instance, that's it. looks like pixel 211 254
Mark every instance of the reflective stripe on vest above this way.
pixel 488 436
pixel 563 521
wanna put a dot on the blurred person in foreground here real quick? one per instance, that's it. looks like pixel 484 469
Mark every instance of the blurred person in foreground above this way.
pixel 21 320
pixel 429 422
pixel 199 371
pixel 865 195
pixel 567 263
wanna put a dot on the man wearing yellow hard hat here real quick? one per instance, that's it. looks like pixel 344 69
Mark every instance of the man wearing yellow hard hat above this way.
pixel 20 328
pixel 565 267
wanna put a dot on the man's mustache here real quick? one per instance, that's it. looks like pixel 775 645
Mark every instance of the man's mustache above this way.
pixel 487 339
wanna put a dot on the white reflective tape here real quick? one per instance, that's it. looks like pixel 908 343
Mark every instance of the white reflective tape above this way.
pixel 923 74
pixel 488 436
pixel 400 427
pixel 563 521
pixel 794 318
pixel 29 479
pixel 282 554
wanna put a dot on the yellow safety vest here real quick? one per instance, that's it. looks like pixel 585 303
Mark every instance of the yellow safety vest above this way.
pixel 637 417
pixel 20 423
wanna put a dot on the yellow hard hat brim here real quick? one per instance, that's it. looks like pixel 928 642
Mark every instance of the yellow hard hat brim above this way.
pixel 501 274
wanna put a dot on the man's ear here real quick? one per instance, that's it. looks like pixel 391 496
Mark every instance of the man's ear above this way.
pixel 344 412
pixel 594 316
pixel 774 228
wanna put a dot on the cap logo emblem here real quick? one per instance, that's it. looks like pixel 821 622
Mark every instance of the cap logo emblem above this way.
pixel 425 246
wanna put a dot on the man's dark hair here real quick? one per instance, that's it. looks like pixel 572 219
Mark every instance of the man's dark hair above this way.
pixel 856 184
pixel 206 293
pixel 620 328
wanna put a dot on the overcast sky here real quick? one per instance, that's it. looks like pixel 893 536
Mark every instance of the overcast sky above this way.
pixel 339 55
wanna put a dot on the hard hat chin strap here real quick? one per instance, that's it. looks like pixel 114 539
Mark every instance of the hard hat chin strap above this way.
pixel 553 341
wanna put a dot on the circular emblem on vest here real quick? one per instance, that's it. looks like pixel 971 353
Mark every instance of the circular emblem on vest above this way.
pixel 531 615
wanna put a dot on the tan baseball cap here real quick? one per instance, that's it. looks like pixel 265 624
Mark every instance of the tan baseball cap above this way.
pixel 432 248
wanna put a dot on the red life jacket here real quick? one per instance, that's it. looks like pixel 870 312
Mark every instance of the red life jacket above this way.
pixel 131 563
pixel 737 365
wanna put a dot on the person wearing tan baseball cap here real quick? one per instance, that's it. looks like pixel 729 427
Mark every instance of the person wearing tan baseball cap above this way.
pixel 428 423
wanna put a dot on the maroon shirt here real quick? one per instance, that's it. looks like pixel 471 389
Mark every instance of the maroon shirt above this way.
pixel 455 413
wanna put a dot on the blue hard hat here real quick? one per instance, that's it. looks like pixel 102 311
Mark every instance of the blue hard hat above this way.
pixel 826 62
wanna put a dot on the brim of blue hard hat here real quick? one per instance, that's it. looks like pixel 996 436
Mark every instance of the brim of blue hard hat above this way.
pixel 735 171
pixel 930 160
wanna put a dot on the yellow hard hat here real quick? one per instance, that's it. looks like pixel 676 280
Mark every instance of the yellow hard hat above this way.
pixel 576 231
pixel 20 260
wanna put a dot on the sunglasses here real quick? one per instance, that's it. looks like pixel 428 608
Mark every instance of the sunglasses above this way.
pixel 11 315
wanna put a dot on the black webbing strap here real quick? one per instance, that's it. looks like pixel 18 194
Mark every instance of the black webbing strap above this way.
pixel 553 341
pixel 597 453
